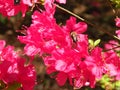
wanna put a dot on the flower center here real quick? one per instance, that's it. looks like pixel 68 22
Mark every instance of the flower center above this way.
pixel 16 2
pixel 74 36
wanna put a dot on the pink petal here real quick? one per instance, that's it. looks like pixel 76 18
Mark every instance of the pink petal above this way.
pixel 61 78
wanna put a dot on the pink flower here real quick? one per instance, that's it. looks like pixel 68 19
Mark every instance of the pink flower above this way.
pixel 72 26
pixel 12 8
pixel 69 64
pixel 61 78
pixel 117 22
pixel 61 1
pixel 29 2
pixel 52 1
pixel 112 46
pixel 61 60
pixel 96 63
pixel 44 35
pixel 112 59
pixel 26 75
pixel 113 64
pixel 13 69
pixel 84 75
pixel 74 36
pixel 62 48
pixel 118 33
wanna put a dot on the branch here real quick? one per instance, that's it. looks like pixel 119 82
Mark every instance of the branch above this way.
pixel 82 19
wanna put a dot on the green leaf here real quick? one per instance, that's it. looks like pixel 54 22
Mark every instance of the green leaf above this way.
pixel 91 42
pixel 3 19
pixel 13 86
pixel 97 42
pixel 117 2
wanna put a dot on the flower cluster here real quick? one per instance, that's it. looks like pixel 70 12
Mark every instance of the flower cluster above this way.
pixel 13 69
pixel 12 8
pixel 112 56
pixel 64 49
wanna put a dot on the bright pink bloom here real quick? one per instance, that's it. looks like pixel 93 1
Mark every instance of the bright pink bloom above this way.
pixel 64 47
pixel 11 8
pixel 44 35
pixel 74 36
pixel 112 58
pixel 13 69
pixel 61 78
pixel 61 1
pixel 112 45
pixel 51 4
pixel 52 1
pixel 71 64
pixel 96 63
pixel 117 22
pixel 84 75
pixel 29 2
pixel 72 26
pixel 113 64
pixel 118 33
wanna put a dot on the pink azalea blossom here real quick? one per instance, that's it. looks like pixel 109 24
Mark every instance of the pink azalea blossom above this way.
pixel 117 22
pixel 96 63
pixel 30 2
pixel 64 47
pixel 61 1
pixel 70 68
pixel 76 40
pixel 44 35
pixel 51 4
pixel 113 64
pixel 112 45
pixel 11 8
pixel 52 1
pixel 72 26
pixel 118 33
pixel 82 77
pixel 112 58
pixel 61 78
pixel 13 69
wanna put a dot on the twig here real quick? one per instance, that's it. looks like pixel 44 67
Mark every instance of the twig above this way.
pixel 82 19
pixel 113 10
pixel 111 49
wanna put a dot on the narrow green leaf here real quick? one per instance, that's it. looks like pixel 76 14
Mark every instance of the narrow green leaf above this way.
pixel 97 42
pixel 91 42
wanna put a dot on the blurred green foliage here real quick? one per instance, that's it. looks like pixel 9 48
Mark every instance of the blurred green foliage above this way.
pixel 3 19
pixel 109 83
pixel 117 2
